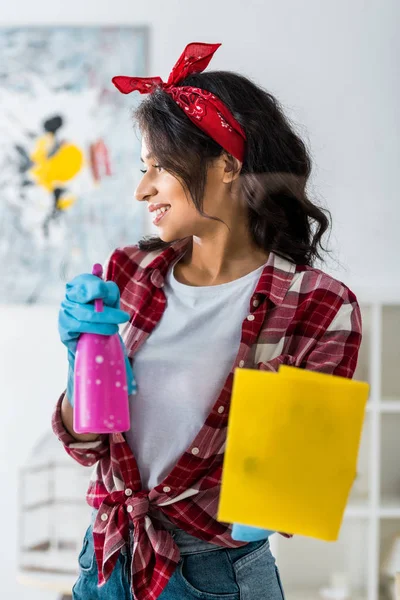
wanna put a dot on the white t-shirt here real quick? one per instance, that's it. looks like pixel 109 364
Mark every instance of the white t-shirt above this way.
pixel 182 367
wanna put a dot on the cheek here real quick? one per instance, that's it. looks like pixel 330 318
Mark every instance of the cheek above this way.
pixel 175 194
pixel 184 211
pixel 184 217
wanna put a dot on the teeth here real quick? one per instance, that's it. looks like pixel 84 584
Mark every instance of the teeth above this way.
pixel 161 211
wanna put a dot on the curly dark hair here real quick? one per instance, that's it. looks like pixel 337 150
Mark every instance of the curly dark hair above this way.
pixel 275 169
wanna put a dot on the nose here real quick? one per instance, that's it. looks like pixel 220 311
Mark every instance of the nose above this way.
pixel 145 190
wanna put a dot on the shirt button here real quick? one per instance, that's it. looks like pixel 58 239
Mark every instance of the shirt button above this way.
pixel 256 302
pixel 129 509
pixel 195 451
pixel 104 517
pixel 128 492
pixel 251 318
pixel 241 364
pixel 166 489
pixel 221 409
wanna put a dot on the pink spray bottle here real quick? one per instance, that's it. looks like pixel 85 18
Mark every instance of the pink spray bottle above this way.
pixel 100 388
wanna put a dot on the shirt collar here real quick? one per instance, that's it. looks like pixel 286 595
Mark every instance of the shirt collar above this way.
pixel 157 267
pixel 276 278
pixel 274 282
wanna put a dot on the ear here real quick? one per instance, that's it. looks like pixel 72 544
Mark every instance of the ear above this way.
pixel 232 168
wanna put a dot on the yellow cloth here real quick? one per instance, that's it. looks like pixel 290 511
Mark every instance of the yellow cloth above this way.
pixel 292 447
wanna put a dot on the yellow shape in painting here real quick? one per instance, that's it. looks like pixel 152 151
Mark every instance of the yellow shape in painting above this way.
pixel 292 447
pixel 52 171
pixel 65 202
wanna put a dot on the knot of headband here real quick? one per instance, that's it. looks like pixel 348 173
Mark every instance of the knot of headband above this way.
pixel 203 108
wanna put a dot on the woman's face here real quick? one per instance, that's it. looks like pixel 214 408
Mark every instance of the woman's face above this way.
pixel 172 210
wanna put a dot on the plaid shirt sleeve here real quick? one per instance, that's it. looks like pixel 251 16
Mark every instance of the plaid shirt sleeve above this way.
pixel 336 351
pixel 324 332
pixel 85 453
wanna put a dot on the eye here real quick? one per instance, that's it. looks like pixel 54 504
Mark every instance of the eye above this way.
pixel 143 171
pixel 158 167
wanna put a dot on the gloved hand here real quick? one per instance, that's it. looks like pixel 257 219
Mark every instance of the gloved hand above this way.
pixel 244 533
pixel 77 315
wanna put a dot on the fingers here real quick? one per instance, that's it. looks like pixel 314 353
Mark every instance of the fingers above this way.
pixel 77 312
pixel 86 313
pixel 87 288
pixel 72 328
pixel 101 328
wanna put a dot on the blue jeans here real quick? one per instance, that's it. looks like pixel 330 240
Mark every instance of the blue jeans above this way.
pixel 246 573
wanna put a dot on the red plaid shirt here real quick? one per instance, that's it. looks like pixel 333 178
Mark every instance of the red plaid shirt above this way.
pixel 297 316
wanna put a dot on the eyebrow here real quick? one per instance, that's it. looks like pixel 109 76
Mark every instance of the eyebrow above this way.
pixel 147 157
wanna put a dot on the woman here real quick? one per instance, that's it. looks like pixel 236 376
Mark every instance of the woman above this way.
pixel 228 283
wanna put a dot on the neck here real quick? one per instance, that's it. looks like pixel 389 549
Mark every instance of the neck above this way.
pixel 220 257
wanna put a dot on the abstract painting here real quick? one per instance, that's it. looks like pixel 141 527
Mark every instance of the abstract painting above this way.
pixel 69 156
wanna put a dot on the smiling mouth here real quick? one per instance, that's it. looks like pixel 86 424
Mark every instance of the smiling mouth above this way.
pixel 160 214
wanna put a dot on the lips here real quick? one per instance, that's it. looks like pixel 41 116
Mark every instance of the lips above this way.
pixel 157 206
pixel 160 213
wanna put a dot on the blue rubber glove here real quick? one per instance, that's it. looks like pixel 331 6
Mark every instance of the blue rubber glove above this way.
pixel 243 533
pixel 77 315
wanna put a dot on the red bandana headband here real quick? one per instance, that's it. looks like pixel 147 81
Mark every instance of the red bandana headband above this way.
pixel 204 109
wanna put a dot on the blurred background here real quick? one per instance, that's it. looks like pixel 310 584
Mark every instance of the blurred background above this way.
pixel 334 67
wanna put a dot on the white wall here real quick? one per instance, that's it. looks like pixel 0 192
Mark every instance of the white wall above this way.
pixel 332 64
pixel 32 375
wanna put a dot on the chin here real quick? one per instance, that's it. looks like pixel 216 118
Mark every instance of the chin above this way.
pixel 168 235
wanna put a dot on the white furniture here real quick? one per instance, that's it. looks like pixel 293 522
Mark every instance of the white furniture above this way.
pixel 372 517
pixel 60 585
pixel 53 516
